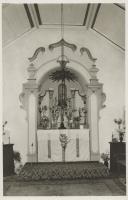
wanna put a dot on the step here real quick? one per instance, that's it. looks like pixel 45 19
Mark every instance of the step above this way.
pixel 63 170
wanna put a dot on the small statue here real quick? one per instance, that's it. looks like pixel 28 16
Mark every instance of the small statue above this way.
pixel 44 121
pixel 105 157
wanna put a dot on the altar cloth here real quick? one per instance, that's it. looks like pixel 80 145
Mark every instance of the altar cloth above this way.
pixel 71 153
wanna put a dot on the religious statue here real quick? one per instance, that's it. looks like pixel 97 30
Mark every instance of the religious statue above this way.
pixel 44 121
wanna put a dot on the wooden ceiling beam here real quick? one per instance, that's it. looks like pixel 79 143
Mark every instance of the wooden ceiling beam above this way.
pixel 96 14
pixel 33 15
pixel 92 15
pixel 38 14
pixel 29 15
pixel 120 6
pixel 86 14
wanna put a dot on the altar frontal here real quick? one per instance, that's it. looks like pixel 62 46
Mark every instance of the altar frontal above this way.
pixel 77 146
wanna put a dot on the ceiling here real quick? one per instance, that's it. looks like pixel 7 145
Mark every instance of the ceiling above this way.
pixel 108 20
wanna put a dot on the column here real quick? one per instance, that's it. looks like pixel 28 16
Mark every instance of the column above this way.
pixel 32 127
pixel 94 129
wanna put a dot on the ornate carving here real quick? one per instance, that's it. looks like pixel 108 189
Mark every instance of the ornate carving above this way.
pixel 93 72
pixel 41 96
pixel 43 110
pixel 31 71
pixel 103 99
pixel 83 96
pixel 73 90
pixel 37 51
pixel 22 101
pixel 84 49
pixel 64 43
pixel 51 92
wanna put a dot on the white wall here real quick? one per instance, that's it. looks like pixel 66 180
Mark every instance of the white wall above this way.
pixel 15 62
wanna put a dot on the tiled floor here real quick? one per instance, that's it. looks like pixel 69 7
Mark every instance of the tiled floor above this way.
pixel 99 187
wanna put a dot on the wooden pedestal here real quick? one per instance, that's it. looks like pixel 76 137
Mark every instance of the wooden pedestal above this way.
pixel 8 161
pixel 117 155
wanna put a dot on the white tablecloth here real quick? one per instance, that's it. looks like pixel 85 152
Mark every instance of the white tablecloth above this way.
pixel 56 149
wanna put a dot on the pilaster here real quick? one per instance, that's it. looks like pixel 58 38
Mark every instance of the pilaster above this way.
pixel 96 99
pixel 28 99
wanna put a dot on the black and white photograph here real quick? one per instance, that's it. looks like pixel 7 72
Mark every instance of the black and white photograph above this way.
pixel 64 109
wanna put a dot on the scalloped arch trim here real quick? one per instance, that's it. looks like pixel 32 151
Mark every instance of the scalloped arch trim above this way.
pixel 84 49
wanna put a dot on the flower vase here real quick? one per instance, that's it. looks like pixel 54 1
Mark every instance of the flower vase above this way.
pixel 121 138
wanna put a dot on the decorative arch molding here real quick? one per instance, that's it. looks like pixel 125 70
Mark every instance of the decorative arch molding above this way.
pixel 74 65
pixel 37 51
pixel 62 42
pixel 84 49
pixel 80 80
pixel 55 59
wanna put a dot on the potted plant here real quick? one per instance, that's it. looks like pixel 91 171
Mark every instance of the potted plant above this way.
pixel 120 130
pixel 44 122
pixel 105 157
pixel 17 161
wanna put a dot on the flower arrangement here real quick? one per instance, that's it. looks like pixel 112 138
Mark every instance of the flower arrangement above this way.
pixel 43 110
pixel 44 122
pixel 105 157
pixel 121 129
pixel 64 140
pixel 119 122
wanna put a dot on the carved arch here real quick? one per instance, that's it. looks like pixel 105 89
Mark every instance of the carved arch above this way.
pixel 84 49
pixel 37 51
pixel 64 43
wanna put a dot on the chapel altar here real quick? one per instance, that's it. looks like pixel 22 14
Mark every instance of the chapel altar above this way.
pixel 62 99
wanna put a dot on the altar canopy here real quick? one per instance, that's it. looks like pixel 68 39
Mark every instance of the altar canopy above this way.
pixel 52 106
pixel 77 148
